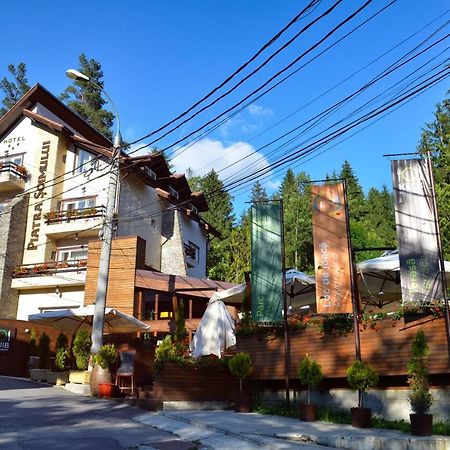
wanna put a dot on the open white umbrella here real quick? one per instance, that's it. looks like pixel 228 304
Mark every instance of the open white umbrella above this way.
pixel 215 331
pixel 300 289
pixel 70 320
pixel 379 280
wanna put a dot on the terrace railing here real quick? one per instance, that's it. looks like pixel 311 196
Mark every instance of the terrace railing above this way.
pixel 68 215
pixel 48 268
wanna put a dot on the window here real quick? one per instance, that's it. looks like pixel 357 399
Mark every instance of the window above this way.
pixel 150 173
pixel 174 193
pixel 3 206
pixel 16 159
pixel 77 203
pixel 194 209
pixel 192 253
pixel 71 253
pixel 83 161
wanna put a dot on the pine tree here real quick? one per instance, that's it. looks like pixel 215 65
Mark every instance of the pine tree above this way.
pixel 14 90
pixel 86 99
pixel 355 194
pixel 436 140
pixel 220 216
pixel 259 193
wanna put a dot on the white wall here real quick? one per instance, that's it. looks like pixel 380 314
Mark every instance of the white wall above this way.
pixel 141 203
pixel 31 301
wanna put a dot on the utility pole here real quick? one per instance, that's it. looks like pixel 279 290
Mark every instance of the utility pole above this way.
pixel 108 224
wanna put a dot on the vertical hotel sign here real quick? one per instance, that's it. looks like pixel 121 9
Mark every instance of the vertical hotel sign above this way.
pixel 416 232
pixel 267 263
pixel 331 249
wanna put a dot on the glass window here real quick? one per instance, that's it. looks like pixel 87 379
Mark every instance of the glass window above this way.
pixel 71 254
pixel 78 203
pixel 82 161
pixel 16 159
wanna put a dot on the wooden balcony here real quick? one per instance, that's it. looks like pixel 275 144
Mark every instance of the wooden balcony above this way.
pixel 50 267
pixel 12 177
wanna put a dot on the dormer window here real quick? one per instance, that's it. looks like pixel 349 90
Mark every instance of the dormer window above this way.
pixel 194 209
pixel 174 193
pixel 150 173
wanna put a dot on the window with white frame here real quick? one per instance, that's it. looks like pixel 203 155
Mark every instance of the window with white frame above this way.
pixel 77 203
pixel 83 161
pixel 16 159
pixel 74 253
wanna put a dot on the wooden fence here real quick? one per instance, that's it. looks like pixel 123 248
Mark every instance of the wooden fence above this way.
pixel 387 349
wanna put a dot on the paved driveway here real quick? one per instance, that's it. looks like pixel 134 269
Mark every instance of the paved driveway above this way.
pixel 39 417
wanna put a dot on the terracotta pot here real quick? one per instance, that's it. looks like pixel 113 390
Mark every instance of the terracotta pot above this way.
pixel 99 375
pixel 243 406
pixel 105 390
pixel 361 417
pixel 421 424
pixel 307 412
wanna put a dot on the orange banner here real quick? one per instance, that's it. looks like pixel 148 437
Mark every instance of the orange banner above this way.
pixel 331 250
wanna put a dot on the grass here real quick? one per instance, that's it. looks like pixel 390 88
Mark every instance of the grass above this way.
pixel 331 415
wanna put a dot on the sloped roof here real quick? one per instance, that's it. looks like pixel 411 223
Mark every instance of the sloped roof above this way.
pixel 38 94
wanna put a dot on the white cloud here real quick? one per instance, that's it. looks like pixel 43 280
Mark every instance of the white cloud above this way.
pixel 257 110
pixel 209 154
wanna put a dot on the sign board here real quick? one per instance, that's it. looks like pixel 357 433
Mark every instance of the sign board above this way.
pixel 331 250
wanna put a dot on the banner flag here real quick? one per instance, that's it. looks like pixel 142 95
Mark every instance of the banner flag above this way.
pixel 331 250
pixel 267 263
pixel 418 246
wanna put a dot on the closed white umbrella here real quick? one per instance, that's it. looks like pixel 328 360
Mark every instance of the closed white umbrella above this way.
pixel 70 320
pixel 215 332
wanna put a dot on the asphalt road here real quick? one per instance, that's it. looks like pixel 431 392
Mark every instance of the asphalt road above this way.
pixel 34 416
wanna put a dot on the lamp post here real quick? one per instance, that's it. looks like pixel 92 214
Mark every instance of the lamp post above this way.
pixel 107 232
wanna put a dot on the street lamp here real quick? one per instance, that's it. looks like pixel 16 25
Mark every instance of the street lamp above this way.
pixel 106 240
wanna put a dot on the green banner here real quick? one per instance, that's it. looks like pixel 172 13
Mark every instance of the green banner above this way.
pixel 267 263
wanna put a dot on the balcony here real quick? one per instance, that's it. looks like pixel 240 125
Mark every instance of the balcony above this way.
pixel 12 176
pixel 51 273
pixel 86 220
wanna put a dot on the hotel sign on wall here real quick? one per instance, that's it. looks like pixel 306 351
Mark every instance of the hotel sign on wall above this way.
pixel 331 250
pixel 39 197
pixel 6 338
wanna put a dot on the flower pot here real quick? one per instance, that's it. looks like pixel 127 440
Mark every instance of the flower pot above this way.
pixel 307 412
pixel 421 424
pixel 105 390
pixel 361 417
pixel 243 406
pixel 98 375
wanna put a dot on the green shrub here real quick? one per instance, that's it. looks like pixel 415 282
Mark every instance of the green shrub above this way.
pixel 420 396
pixel 240 365
pixel 32 347
pixel 61 358
pixel 361 377
pixel 62 341
pixel 44 351
pixel 106 356
pixel 165 350
pixel 310 373
pixel 81 348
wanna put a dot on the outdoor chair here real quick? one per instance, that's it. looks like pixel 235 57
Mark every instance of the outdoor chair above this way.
pixel 125 371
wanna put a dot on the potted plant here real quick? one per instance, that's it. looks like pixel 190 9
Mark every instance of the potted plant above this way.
pixel 101 370
pixel 310 373
pixel 59 376
pixel 361 377
pixel 240 366
pixel 420 396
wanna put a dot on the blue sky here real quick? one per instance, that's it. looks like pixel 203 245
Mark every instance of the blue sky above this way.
pixel 160 57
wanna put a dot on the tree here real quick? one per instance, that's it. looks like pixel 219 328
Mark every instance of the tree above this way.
pixel 85 98
pixel 14 90
pixel 220 216
pixel 355 194
pixel 436 140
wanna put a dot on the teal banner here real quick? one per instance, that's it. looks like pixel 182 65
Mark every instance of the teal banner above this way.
pixel 267 263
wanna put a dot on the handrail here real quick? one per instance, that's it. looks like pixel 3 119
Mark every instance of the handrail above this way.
pixel 48 267
pixel 74 214
pixel 17 169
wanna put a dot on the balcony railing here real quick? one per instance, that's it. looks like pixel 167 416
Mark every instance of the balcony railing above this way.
pixel 10 167
pixel 48 268
pixel 68 215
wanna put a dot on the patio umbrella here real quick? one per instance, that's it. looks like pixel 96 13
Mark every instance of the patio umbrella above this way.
pixel 379 280
pixel 70 320
pixel 215 332
pixel 300 289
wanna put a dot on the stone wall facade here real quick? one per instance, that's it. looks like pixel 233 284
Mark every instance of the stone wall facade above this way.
pixel 173 259
pixel 12 233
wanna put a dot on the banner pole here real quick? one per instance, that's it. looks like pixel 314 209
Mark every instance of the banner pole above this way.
pixel 441 256
pixel 287 343
pixel 353 280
